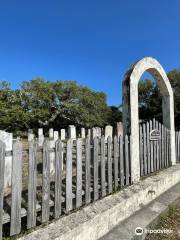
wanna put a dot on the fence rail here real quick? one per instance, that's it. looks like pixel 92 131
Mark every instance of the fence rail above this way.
pixel 84 172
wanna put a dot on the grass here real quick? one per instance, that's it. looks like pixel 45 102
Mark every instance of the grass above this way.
pixel 169 220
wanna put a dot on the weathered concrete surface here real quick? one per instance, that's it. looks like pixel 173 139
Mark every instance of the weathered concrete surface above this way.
pixel 97 219
pixel 130 107
pixel 144 218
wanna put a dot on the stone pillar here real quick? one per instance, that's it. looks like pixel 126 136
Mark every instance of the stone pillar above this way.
pixel 63 134
pixel 119 129
pixel 7 138
pixel 108 132
pixel 72 132
pixel 83 133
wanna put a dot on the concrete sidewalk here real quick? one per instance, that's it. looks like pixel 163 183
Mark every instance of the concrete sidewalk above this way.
pixel 144 217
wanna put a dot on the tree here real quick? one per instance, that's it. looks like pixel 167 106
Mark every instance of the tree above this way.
pixel 150 99
pixel 12 115
pixel 114 116
pixel 41 103
pixel 174 78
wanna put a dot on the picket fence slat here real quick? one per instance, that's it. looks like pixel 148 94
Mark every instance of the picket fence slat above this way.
pixel 157 148
pixel 176 141
pixel 165 147
pixel 79 174
pixel 58 177
pixel 162 144
pixel 121 165
pixel 127 160
pixel 32 184
pixel 103 187
pixel 87 170
pixel 144 149
pixel 95 168
pixel 148 149
pixel 115 162
pixel 109 143
pixel 154 147
pixel 46 182
pixel 178 146
pixel 69 176
pixel 160 147
pixel 141 151
pixel 15 227
pixel 151 147
pixel 2 167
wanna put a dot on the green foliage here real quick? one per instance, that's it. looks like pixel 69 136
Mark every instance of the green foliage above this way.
pixel 43 103
pixel 114 116
pixel 150 99
pixel 174 77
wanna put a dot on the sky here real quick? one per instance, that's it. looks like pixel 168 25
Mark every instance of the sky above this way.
pixel 93 42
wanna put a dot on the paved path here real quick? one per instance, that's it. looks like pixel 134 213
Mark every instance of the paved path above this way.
pixel 144 217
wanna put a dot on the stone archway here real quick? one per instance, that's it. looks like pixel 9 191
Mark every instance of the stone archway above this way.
pixel 131 112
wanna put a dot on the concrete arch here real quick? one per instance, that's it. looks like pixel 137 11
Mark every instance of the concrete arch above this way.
pixel 130 106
